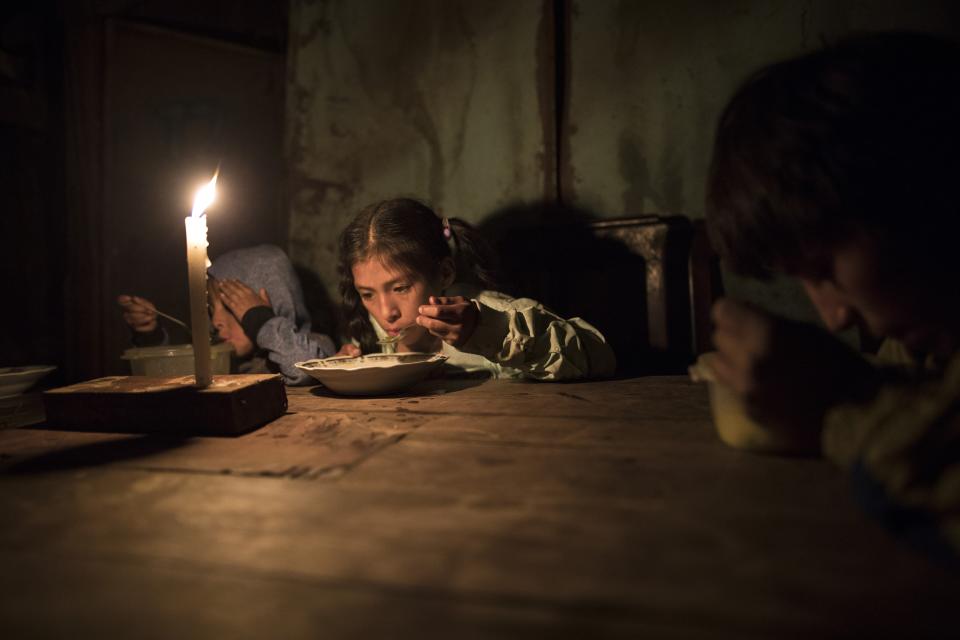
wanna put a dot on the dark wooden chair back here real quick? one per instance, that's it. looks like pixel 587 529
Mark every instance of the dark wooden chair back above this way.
pixel 646 282
pixel 680 281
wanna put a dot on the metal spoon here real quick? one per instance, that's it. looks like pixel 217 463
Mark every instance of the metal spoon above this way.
pixel 172 319
pixel 389 343
pixel 169 317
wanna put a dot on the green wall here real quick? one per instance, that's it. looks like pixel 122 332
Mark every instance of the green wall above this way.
pixel 649 79
pixel 439 100
pixel 458 103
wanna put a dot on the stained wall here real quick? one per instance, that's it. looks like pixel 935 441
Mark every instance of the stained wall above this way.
pixel 647 81
pixel 607 106
pixel 449 101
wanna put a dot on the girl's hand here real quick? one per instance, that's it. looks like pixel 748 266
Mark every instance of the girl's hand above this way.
pixel 453 320
pixel 139 313
pixel 239 298
pixel 349 349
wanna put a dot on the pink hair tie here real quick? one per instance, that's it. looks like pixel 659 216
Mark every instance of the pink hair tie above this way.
pixel 446 227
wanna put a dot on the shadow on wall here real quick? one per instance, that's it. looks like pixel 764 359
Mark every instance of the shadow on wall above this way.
pixel 323 310
pixel 559 256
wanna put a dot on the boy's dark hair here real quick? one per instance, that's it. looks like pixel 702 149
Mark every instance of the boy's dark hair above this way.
pixel 407 235
pixel 861 138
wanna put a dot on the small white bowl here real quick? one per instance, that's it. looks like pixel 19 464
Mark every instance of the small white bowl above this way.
pixel 16 380
pixel 374 374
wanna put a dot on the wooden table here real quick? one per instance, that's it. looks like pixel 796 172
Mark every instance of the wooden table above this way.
pixel 467 509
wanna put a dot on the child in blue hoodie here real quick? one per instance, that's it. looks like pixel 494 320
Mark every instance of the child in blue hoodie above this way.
pixel 257 306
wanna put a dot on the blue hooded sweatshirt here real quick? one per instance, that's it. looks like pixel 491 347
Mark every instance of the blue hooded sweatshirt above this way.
pixel 282 333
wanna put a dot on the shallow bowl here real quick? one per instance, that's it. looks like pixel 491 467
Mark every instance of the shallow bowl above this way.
pixel 16 380
pixel 374 374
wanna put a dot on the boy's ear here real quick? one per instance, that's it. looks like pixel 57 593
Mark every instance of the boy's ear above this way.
pixel 448 272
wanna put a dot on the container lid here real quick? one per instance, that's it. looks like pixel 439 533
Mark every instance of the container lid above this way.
pixel 172 350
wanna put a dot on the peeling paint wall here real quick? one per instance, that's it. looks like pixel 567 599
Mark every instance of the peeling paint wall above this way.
pixel 648 80
pixel 443 100
pixel 456 103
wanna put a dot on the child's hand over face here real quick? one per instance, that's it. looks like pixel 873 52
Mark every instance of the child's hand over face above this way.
pixel 453 320
pixel 788 373
pixel 139 313
pixel 239 298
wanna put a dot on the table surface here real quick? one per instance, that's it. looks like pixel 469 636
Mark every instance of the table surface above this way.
pixel 460 509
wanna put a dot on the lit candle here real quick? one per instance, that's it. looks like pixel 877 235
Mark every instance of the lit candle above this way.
pixel 197 263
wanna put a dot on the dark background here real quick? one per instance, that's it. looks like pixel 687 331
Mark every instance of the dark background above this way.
pixel 113 112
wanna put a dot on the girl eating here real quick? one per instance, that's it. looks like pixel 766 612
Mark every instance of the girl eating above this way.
pixel 407 275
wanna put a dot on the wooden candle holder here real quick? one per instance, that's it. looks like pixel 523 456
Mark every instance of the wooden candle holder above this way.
pixel 230 406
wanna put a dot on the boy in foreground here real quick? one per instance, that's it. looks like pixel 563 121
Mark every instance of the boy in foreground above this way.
pixel 839 168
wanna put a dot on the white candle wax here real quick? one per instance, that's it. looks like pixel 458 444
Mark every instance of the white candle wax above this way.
pixel 197 276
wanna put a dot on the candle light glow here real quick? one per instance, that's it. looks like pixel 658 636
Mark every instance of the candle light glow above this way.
pixel 197 263
pixel 205 196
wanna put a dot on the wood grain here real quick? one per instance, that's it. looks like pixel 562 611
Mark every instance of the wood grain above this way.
pixel 493 510
pixel 230 406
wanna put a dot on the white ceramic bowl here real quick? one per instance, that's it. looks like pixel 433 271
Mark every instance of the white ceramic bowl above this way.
pixel 374 374
pixel 175 359
pixel 16 380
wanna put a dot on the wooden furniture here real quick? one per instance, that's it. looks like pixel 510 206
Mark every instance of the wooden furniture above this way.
pixel 646 282
pixel 232 405
pixel 461 510
pixel 681 280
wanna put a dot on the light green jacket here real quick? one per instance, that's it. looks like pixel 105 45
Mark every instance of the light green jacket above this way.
pixel 520 338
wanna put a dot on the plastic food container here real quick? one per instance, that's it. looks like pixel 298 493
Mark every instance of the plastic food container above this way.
pixel 175 359
pixel 730 418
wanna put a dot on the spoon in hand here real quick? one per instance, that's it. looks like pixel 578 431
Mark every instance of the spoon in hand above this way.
pixel 389 343
pixel 175 320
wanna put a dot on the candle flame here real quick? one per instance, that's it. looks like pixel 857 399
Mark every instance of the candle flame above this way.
pixel 205 196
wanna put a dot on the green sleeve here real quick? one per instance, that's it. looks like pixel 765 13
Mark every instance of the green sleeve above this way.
pixel 523 335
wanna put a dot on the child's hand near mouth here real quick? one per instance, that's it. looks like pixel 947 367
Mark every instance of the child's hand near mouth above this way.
pixel 453 320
